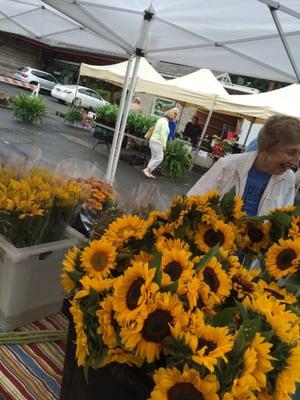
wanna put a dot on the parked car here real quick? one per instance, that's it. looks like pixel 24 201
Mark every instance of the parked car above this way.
pixel 35 76
pixel 85 97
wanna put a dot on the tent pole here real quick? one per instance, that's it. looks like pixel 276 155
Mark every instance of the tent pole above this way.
pixel 248 133
pixel 119 119
pixel 76 90
pixel 284 41
pixel 125 115
pixel 205 127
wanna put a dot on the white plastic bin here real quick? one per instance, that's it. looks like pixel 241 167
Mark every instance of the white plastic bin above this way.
pixel 30 287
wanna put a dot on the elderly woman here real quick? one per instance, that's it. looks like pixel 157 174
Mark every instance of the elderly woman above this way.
pixel 263 178
pixel 158 142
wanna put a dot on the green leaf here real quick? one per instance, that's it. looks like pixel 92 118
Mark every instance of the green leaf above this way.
pixel 75 275
pixel 173 287
pixel 242 309
pixel 156 260
pixel 296 212
pixel 227 203
pixel 122 256
pixel 205 259
pixel 93 297
pixel 224 317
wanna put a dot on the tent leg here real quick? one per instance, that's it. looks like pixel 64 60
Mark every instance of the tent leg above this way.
pixel 208 118
pixel 118 122
pixel 125 115
pixel 284 41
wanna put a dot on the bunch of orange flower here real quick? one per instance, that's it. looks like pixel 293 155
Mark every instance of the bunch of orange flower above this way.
pixel 178 295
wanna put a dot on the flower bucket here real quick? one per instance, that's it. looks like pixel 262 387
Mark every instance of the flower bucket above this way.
pixel 30 287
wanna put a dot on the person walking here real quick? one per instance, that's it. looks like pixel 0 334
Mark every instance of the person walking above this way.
pixel 158 142
pixel 263 178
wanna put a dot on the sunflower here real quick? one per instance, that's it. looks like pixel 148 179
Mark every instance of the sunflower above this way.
pixel 285 381
pixel 207 344
pixel 283 258
pixel 120 356
pixel 294 231
pixel 125 228
pixel 69 264
pixel 243 282
pixel 253 236
pixel 99 258
pixel 176 265
pixel 82 349
pixel 166 231
pixel 99 285
pixel 144 336
pixel 168 244
pixel 284 323
pixel 133 290
pixel 256 364
pixel 208 236
pixel 108 327
pixel 218 282
pixel 280 293
pixel 237 212
pixel 142 256
pixel 230 263
pixel 155 216
pixel 172 384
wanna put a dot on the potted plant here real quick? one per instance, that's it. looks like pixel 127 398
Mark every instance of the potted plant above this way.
pixel 73 116
pixel 30 109
pixel 177 159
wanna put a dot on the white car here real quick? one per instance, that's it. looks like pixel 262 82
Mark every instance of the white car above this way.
pixel 85 97
pixel 35 76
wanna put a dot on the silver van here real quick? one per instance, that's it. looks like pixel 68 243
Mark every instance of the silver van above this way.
pixel 35 76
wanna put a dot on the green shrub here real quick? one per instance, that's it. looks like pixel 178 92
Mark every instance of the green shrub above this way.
pixel 107 114
pixel 75 114
pixel 29 108
pixel 137 123
pixel 177 159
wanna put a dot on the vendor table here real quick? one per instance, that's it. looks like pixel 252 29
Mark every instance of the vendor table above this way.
pixel 140 146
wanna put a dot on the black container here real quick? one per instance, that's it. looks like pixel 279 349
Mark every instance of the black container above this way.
pixel 113 382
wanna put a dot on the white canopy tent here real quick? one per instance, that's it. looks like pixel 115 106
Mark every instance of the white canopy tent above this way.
pixel 281 101
pixel 257 38
pixel 147 76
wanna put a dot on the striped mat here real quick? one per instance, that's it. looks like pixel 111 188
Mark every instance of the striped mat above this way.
pixel 33 372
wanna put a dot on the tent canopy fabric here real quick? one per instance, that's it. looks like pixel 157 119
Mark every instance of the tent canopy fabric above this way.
pixel 147 76
pixel 232 36
pixel 198 88
pixel 263 105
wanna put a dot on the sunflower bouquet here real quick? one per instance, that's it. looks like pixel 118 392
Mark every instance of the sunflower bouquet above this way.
pixel 170 294
pixel 30 205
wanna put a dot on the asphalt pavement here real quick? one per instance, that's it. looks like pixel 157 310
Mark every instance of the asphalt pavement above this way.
pixel 59 144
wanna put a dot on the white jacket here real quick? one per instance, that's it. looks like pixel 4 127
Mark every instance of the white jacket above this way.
pixel 232 171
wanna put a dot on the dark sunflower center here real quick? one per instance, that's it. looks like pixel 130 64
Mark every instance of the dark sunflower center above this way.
pixel 173 269
pixel 275 294
pixel 167 235
pixel 246 286
pixel 200 303
pixel 156 326
pixel 212 237
pixel 133 294
pixel 255 234
pixel 285 258
pixel 211 279
pixel 184 391
pixel 209 344
pixel 99 261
